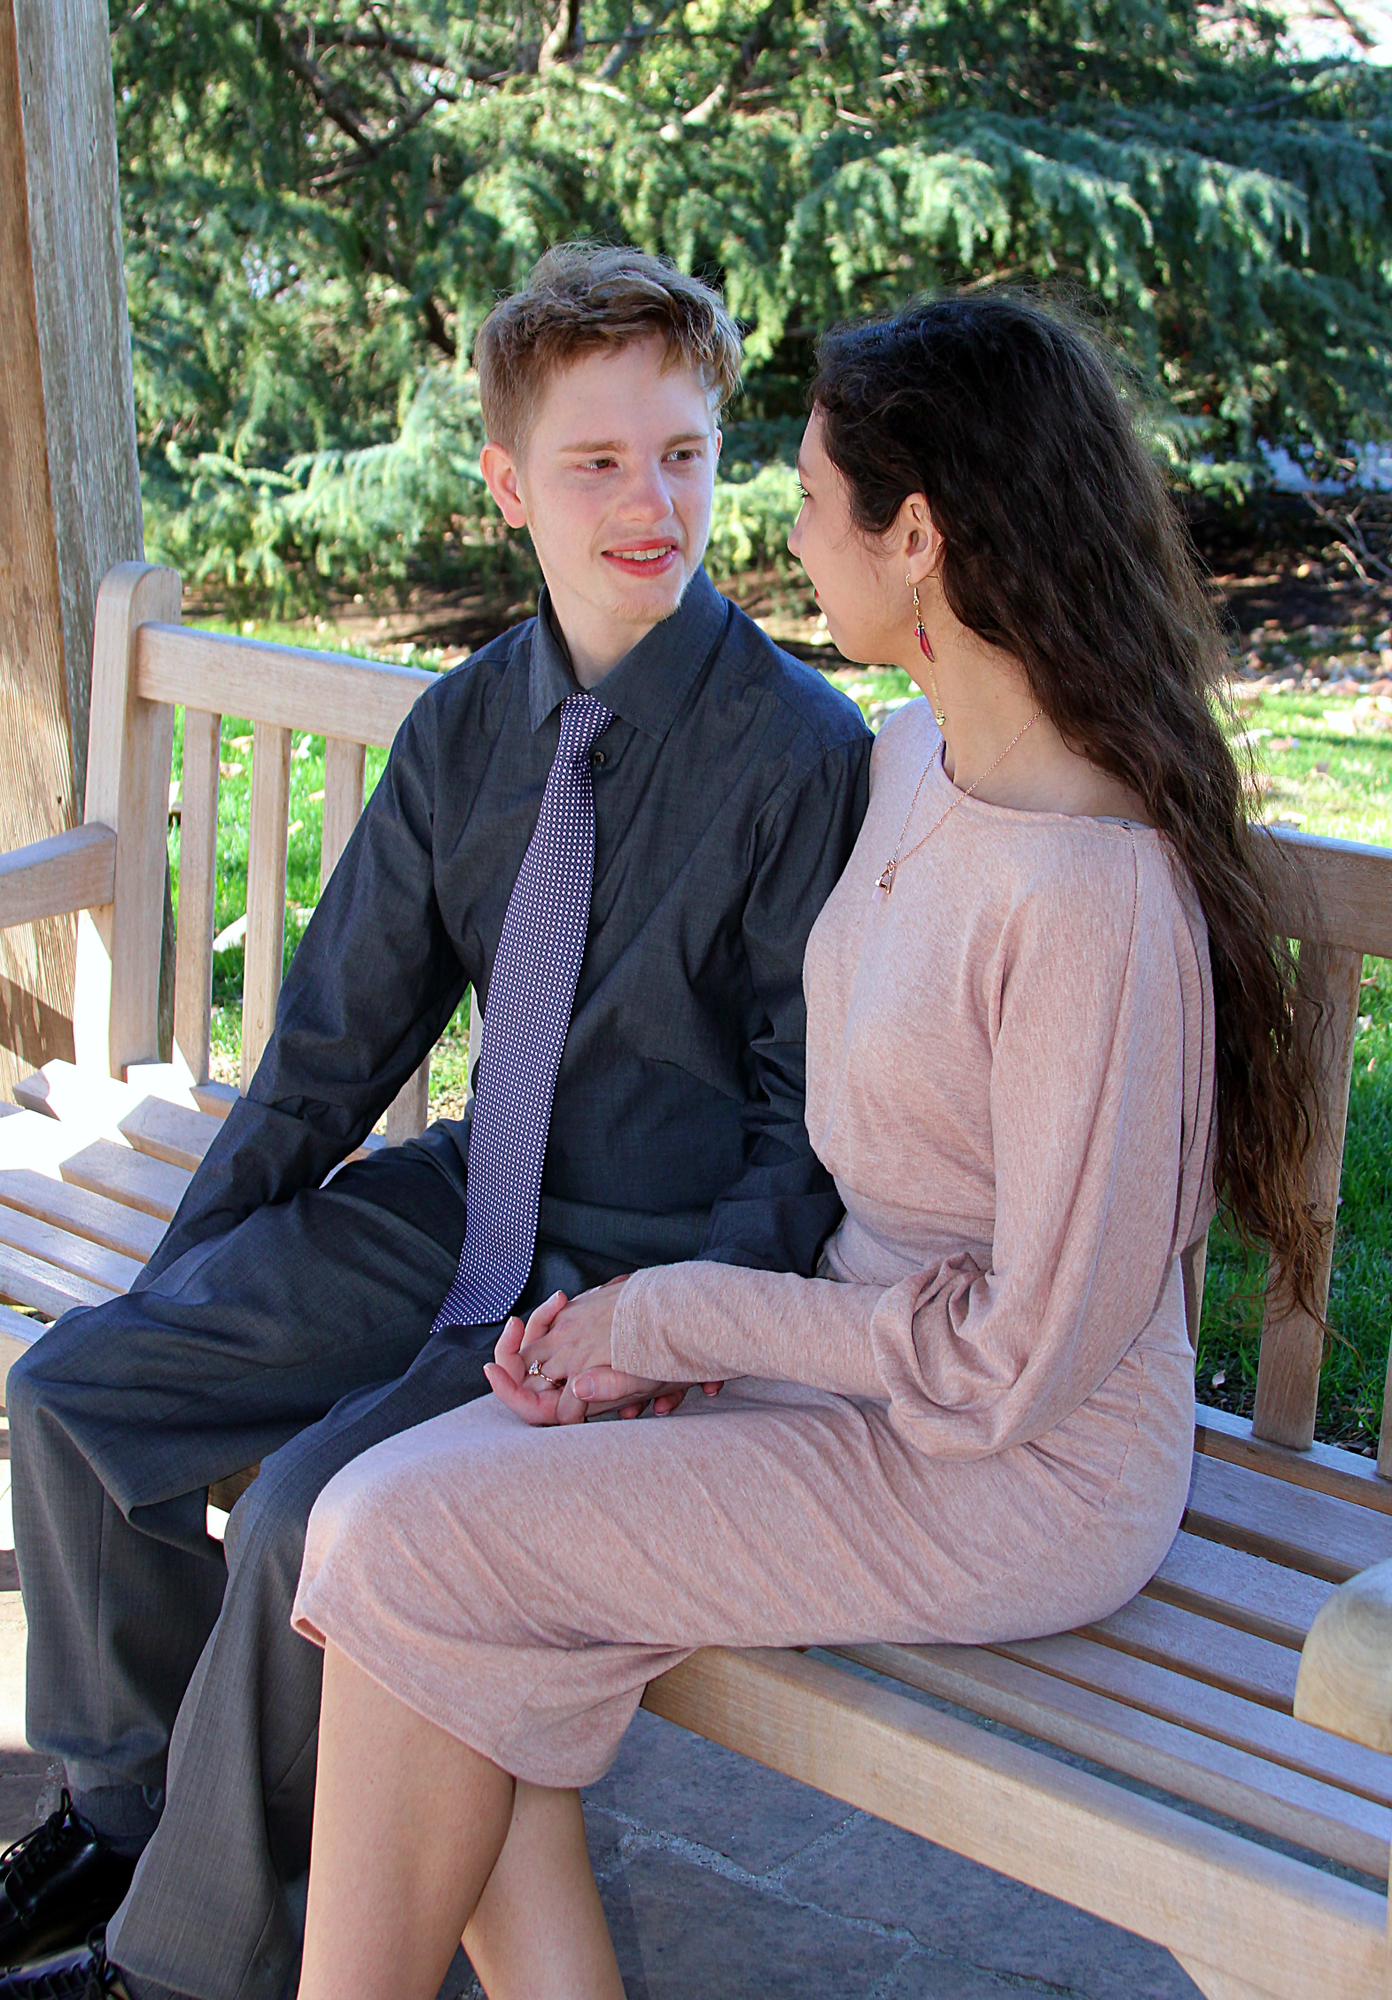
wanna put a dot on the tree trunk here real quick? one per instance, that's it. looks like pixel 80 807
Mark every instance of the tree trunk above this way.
pixel 70 494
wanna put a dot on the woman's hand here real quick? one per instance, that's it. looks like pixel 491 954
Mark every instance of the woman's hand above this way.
pixel 569 1339
pixel 534 1400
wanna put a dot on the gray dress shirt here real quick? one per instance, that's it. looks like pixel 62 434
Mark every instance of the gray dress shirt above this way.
pixel 728 792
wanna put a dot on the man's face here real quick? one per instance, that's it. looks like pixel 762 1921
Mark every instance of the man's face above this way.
pixel 614 484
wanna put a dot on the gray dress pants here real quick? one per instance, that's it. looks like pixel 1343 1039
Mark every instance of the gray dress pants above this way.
pixel 160 1663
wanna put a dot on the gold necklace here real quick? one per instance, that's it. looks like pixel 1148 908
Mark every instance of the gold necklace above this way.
pixel 896 860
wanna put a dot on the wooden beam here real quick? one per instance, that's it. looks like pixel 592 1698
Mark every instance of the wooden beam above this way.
pixel 1191 1887
pixel 329 694
pixel 70 497
pixel 54 877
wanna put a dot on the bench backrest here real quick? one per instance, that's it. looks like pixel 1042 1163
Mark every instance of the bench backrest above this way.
pixel 1334 896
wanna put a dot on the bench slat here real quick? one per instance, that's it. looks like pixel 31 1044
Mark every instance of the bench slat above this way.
pixel 137 1179
pixel 61 1248
pixel 1323 1468
pixel 1257 1669
pixel 1197 1889
pixel 1313 1532
pixel 198 827
pixel 1238 1589
pixel 1209 1711
pixel 1267 1796
pixel 174 1133
pixel 65 1091
pixel 95 1216
pixel 30 1281
pixel 216 1099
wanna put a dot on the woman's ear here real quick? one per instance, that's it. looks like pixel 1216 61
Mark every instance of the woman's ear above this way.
pixel 499 469
pixel 920 545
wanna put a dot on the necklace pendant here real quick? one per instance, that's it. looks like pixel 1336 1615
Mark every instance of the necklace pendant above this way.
pixel 886 882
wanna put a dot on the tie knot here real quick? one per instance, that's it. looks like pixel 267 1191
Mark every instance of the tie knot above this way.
pixel 582 719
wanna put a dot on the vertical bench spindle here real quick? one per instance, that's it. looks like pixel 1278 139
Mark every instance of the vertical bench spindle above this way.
pixel 193 964
pixel 1292 1348
pixel 265 932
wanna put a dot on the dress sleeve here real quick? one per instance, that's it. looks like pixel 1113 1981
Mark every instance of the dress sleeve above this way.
pixel 1087 1113
pixel 370 989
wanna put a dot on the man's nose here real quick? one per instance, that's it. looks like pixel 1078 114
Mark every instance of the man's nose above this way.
pixel 648 496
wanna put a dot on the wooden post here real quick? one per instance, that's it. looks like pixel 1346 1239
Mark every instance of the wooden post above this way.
pixel 70 494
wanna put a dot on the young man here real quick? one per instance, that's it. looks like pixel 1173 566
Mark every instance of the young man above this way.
pixel 617 823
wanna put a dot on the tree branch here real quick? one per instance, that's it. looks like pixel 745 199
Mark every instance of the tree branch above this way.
pixel 753 46
pixel 564 39
pixel 327 35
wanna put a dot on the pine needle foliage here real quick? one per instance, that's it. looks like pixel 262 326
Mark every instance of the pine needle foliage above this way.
pixel 323 200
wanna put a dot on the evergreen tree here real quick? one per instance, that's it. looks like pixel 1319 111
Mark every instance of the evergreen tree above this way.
pixel 322 202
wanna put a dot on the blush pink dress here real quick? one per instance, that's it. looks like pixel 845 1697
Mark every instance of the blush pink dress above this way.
pixel 974 1423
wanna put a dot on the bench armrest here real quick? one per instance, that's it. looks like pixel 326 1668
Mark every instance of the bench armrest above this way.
pixel 1345 1680
pixel 72 871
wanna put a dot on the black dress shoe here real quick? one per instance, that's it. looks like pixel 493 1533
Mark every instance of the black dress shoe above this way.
pixel 73 1975
pixel 57 1885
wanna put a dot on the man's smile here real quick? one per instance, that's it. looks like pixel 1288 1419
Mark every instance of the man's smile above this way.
pixel 643 558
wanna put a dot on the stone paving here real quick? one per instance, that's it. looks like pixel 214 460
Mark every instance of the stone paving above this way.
pixel 723 1880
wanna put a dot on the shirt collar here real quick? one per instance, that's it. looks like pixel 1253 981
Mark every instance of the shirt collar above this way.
pixel 649 684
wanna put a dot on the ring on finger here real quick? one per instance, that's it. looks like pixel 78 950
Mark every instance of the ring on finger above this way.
pixel 535 1368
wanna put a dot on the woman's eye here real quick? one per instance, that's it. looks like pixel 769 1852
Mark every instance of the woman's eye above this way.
pixel 803 493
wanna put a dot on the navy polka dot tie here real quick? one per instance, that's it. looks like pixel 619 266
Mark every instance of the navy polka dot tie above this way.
pixel 530 998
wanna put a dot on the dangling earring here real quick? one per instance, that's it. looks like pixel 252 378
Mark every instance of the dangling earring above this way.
pixel 925 646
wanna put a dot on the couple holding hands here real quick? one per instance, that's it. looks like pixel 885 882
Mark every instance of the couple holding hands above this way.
pixel 858 1141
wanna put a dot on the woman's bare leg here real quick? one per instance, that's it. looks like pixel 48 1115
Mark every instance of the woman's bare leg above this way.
pixel 408 1826
pixel 539 1931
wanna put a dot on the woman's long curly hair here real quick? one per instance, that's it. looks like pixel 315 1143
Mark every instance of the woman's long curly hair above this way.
pixel 1063 548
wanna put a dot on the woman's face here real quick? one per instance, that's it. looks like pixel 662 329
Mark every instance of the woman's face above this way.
pixel 859 582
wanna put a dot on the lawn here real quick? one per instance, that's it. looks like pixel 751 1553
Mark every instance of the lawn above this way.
pixel 1324 763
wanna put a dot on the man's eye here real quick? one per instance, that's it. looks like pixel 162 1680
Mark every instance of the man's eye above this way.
pixel 685 453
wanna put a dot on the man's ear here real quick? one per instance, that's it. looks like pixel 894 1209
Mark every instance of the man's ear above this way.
pixel 719 443
pixel 499 468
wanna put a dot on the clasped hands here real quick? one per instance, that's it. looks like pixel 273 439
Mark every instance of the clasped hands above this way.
pixel 572 1342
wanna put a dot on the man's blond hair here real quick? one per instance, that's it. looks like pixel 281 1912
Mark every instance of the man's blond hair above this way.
pixel 585 296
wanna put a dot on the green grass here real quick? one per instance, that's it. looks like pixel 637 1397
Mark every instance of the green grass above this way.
pixel 1326 765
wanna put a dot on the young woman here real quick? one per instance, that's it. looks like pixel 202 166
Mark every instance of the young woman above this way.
pixel 1047 1015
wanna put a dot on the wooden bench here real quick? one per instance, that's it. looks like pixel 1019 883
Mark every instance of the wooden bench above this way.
pixel 1195 1803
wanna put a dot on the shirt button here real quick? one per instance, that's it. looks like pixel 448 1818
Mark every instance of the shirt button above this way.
pixel 599 759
